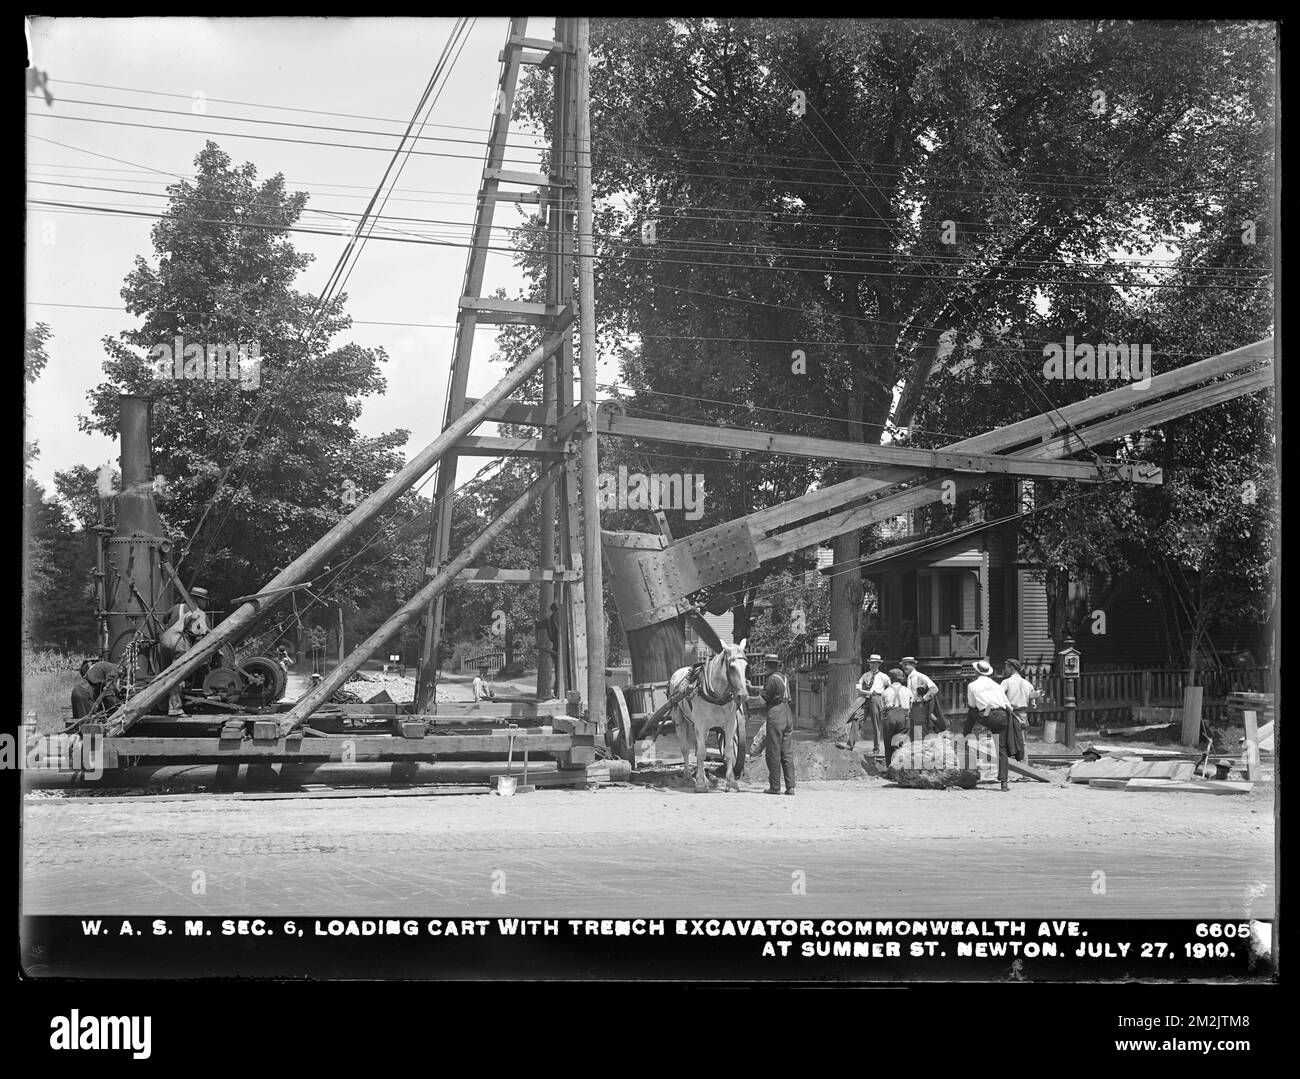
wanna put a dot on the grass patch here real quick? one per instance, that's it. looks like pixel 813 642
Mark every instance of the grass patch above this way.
pixel 47 681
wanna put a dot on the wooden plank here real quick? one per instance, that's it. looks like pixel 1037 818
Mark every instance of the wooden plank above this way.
pixel 1252 746
pixel 1109 784
pixel 1111 768
pixel 1198 786
pixel 1033 773
pixel 1192 697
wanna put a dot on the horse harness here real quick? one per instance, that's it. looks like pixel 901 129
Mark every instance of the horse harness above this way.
pixel 697 683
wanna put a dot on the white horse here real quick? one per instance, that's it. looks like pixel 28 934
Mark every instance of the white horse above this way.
pixel 717 702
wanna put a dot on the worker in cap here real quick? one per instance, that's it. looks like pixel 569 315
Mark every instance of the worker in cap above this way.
pixel 926 709
pixel 895 711
pixel 778 732
pixel 96 688
pixel 871 687
pixel 987 704
pixel 200 597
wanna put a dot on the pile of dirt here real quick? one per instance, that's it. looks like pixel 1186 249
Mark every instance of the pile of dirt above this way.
pixel 813 761
pixel 367 685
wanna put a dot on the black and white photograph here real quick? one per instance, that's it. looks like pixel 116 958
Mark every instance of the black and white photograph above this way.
pixel 747 500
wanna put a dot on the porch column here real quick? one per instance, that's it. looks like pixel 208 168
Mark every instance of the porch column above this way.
pixel 982 600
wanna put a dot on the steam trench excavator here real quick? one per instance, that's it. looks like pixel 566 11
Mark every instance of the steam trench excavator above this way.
pixel 147 617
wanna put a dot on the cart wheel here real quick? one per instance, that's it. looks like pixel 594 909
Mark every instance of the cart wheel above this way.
pixel 618 726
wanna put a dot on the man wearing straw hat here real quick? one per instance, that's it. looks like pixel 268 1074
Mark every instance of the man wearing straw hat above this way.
pixel 987 704
pixel 871 686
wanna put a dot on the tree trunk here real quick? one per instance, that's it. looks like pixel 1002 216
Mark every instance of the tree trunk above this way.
pixel 740 622
pixel 846 632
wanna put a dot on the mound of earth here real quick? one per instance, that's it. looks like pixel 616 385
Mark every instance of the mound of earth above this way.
pixel 813 761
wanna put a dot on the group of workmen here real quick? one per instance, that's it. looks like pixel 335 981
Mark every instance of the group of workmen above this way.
pixel 899 703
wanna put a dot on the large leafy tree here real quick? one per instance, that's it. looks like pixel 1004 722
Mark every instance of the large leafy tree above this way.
pixel 58 600
pixel 257 469
pixel 926 179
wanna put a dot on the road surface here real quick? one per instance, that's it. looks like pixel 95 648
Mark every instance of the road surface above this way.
pixel 843 848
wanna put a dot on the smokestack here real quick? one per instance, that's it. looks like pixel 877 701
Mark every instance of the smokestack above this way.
pixel 136 582
pixel 137 514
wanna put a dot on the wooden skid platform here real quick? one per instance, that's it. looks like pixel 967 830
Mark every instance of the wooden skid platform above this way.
pixel 345 747
pixel 1174 786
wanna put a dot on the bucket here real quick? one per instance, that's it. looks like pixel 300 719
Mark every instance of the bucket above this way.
pixel 506 785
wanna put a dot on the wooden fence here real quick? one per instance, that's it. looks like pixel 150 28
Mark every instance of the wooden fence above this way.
pixel 1133 688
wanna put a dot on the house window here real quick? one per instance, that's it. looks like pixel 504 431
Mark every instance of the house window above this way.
pixel 949 600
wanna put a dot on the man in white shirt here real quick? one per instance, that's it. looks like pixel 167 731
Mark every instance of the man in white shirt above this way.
pixel 482 690
pixel 871 687
pixel 895 707
pixel 1019 691
pixel 925 698
pixel 988 705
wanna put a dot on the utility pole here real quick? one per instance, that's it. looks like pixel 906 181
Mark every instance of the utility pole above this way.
pixel 592 574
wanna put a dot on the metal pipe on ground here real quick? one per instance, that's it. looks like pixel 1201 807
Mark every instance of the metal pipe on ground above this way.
pixel 411 610
pixel 314 557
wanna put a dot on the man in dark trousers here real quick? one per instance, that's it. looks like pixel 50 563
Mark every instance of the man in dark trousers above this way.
pixel 780 728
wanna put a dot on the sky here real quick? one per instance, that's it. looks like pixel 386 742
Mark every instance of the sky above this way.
pixel 402 296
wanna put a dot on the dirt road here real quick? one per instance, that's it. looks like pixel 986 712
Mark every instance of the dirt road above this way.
pixel 860 848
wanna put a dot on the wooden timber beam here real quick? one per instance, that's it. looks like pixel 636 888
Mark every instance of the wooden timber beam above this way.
pixel 857 452
pixel 497 575
pixel 614 423
pixel 497 446
pixel 497 312
pixel 880 509
pixel 410 610
pixel 652 580
pixel 1033 429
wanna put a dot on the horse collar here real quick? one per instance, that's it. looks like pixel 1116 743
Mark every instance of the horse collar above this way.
pixel 704 690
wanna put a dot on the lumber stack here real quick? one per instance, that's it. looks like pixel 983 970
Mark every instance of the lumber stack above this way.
pixel 1169 786
pixel 1127 768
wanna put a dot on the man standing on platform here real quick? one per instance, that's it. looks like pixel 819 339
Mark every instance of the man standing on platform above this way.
pixel 926 710
pixel 987 704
